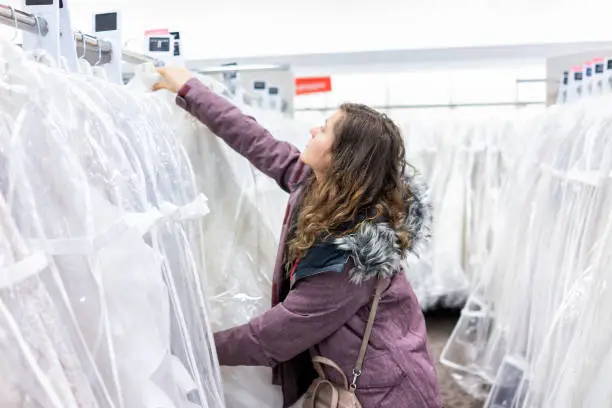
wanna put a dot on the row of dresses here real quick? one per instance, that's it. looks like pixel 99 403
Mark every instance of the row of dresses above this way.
pixel 244 226
pixel 102 280
pixel 535 332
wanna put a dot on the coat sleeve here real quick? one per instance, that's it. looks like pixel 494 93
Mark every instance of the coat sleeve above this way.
pixel 316 308
pixel 277 159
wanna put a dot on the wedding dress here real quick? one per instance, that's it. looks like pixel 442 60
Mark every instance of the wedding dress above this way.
pixel 534 328
pixel 94 180
pixel 247 210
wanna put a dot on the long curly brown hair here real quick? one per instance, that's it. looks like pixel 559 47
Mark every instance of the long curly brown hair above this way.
pixel 364 181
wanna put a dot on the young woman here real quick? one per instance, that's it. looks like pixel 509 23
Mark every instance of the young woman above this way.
pixel 353 213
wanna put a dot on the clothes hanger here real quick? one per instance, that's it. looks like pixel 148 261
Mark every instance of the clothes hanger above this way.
pixel 99 71
pixel 83 65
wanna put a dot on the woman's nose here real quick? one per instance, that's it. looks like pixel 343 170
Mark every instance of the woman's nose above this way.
pixel 313 132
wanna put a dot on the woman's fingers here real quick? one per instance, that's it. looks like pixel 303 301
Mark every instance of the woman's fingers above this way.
pixel 160 85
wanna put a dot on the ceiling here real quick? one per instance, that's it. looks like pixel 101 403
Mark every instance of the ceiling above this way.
pixel 217 29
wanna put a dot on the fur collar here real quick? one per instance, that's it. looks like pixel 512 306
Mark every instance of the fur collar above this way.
pixel 374 246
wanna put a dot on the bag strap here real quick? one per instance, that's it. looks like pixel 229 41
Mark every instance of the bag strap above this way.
pixel 319 361
pixel 382 284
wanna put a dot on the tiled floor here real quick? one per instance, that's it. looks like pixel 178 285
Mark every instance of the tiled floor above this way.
pixel 440 324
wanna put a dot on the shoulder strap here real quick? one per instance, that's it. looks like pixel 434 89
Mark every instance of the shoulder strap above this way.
pixel 382 283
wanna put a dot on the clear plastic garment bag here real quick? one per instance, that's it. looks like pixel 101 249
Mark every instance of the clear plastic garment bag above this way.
pixel 246 217
pixel 536 328
pixel 97 184
pixel 460 162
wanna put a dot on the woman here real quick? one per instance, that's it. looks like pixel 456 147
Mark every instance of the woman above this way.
pixel 352 215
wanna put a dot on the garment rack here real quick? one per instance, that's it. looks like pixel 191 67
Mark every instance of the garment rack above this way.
pixel 95 50
pixel 23 21
pixel 434 106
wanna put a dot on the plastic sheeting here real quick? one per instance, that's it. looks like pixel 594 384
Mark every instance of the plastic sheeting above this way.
pixel 536 329
pixel 101 299
pixel 246 217
pixel 462 164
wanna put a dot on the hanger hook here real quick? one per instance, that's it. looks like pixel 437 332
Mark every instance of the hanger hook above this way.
pixel 99 52
pixel 37 20
pixel 14 15
pixel 84 44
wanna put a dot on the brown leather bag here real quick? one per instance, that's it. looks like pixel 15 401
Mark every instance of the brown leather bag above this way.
pixel 325 394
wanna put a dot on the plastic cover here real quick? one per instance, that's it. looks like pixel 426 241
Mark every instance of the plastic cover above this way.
pixel 246 217
pixel 537 329
pixel 461 162
pixel 101 298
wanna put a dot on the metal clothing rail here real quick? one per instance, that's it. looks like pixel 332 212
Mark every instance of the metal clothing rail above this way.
pixel 432 106
pixel 220 69
pixel 23 21
pixel 137 58
pixel 100 51
pixel 94 50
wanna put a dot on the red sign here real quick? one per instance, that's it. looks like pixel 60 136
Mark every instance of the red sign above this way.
pixel 157 31
pixel 311 85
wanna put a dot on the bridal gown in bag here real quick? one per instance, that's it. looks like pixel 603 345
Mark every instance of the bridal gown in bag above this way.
pixel 534 328
pixel 246 217
pixel 79 191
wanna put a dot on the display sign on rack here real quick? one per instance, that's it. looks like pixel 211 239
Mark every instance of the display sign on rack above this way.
pixel 164 45
pixel 310 85
pixel 176 50
pixel 275 102
pixel 39 2
pixel 107 26
pixel 49 11
pixel 260 90
pixel 67 42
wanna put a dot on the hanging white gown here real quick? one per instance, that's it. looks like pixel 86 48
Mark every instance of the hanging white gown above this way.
pixel 247 210
pixel 534 328
pixel 109 199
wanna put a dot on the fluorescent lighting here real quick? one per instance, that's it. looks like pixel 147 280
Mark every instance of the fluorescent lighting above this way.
pixel 245 67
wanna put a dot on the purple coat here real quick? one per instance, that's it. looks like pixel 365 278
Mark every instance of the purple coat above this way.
pixel 325 303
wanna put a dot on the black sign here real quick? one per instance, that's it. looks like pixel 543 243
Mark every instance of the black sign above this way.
pixel 229 75
pixel 599 68
pixel 273 90
pixel 259 85
pixel 38 2
pixel 578 76
pixel 177 43
pixel 565 77
pixel 589 71
pixel 159 44
pixel 105 22
pixel 610 64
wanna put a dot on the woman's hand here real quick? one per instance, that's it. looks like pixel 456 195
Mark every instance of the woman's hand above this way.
pixel 173 78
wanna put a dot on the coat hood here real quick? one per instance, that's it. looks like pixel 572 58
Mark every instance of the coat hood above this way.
pixel 374 246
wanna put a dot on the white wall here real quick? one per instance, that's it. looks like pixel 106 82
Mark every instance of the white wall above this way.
pixel 412 93
pixel 234 28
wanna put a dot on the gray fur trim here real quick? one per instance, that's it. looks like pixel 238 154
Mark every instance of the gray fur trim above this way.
pixel 374 247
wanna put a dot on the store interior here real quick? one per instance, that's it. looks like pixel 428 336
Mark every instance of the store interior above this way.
pixel 130 233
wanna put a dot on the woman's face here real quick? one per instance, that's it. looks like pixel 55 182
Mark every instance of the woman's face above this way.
pixel 318 151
